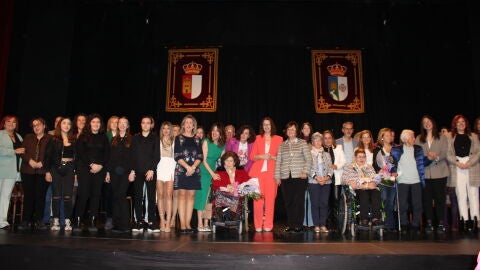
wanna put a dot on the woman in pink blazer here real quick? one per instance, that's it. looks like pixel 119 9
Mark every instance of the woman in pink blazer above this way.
pixel 241 144
pixel 264 155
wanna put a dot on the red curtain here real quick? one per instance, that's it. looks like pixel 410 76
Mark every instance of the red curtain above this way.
pixel 6 16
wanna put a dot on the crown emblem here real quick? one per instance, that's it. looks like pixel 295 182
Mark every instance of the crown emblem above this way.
pixel 337 70
pixel 192 68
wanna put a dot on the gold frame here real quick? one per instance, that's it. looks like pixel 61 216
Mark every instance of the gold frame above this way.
pixel 206 103
pixel 323 102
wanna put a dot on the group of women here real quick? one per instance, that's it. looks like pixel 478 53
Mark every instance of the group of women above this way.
pixel 181 167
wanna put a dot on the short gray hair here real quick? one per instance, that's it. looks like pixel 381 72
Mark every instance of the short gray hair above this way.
pixel 317 136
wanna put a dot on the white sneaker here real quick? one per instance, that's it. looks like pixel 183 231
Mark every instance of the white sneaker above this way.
pixel 68 225
pixel 55 225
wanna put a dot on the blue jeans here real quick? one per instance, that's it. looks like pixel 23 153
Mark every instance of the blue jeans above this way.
pixel 388 198
pixel 308 221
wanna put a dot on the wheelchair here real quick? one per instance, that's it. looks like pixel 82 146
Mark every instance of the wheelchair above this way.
pixel 348 214
pixel 226 216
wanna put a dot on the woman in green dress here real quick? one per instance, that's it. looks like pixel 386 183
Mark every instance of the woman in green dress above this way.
pixel 213 147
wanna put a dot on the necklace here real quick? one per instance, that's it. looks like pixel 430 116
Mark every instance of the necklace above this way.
pixel 231 174
pixel 12 137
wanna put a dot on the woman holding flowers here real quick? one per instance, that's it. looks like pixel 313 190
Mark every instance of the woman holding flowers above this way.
pixel 227 182
pixel 362 178
pixel 382 163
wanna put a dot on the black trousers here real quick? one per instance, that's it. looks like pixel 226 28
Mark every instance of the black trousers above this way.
pixel 88 191
pixel 120 212
pixel 138 197
pixel 434 195
pixel 35 189
pixel 410 197
pixel 293 192
pixel 369 199
pixel 62 188
pixel 106 199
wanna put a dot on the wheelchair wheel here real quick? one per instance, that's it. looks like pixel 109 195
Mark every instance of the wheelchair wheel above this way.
pixel 342 213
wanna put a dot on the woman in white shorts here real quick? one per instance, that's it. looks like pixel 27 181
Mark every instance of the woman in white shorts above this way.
pixel 165 170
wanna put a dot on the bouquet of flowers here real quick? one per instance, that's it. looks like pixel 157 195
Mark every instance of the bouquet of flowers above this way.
pixel 250 189
pixel 386 177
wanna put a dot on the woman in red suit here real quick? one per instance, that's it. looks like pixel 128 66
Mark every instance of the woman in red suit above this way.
pixel 231 177
pixel 264 155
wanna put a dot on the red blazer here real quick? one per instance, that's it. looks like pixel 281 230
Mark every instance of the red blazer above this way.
pixel 240 177
pixel 258 148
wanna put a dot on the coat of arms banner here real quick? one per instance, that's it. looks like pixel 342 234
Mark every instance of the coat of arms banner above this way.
pixel 192 80
pixel 337 81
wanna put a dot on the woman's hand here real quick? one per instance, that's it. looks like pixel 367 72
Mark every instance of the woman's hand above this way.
pixel 32 163
pixel 322 179
pixel 107 178
pixel 230 188
pixel 149 175
pixel 190 170
pixel 48 177
pixel 278 181
pixel 95 168
pixel 303 176
pixel 20 150
pixel 216 176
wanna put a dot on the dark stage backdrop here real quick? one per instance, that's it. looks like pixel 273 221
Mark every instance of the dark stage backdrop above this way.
pixel 110 57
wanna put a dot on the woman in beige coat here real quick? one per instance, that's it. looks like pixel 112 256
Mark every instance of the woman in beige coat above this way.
pixel 463 158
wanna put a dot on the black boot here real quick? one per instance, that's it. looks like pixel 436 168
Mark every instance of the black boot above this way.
pixel 77 224
pixel 93 224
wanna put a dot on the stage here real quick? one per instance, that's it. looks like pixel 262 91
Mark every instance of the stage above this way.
pixel 226 248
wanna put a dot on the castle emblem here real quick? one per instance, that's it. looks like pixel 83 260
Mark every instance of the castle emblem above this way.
pixel 192 80
pixel 337 82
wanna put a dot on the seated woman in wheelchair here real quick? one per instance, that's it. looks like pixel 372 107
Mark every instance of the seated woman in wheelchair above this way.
pixel 362 178
pixel 225 189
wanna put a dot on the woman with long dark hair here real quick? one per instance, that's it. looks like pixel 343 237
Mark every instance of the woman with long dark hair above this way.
pixel 120 173
pixel 213 147
pixel 61 171
pixel 435 147
pixel 264 155
pixel 93 151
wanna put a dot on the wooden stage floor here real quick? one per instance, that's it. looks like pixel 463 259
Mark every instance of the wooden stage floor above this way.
pixel 273 250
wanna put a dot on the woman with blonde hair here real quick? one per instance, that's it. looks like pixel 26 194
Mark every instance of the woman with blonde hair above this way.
pixel 189 155
pixel 165 176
